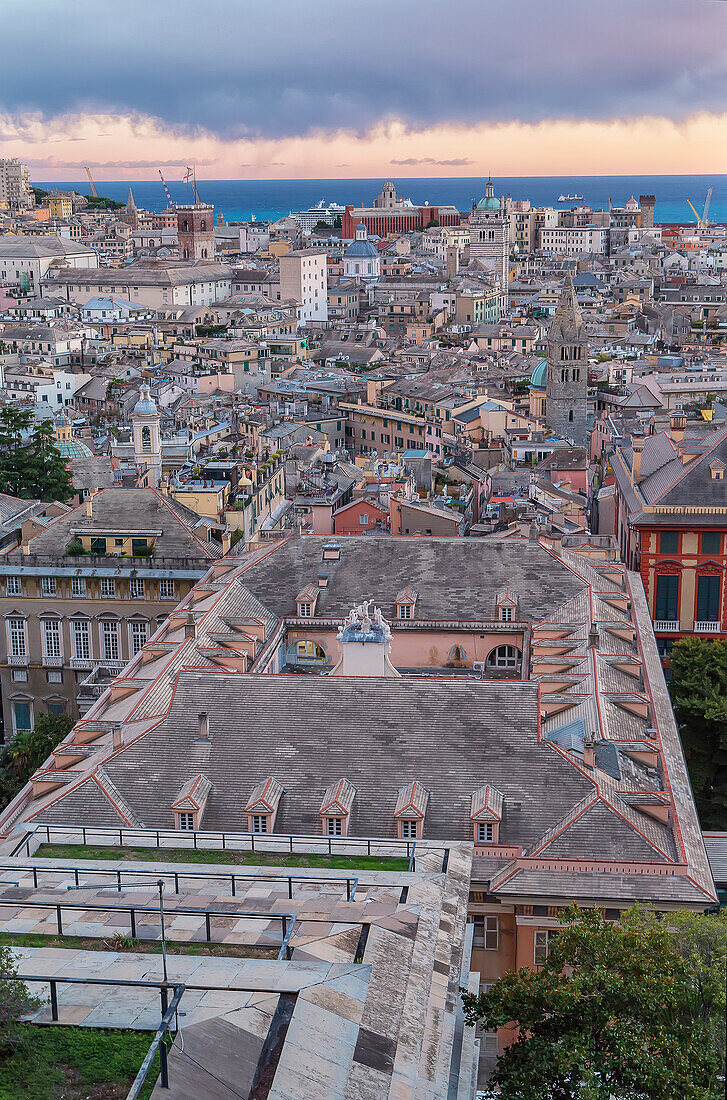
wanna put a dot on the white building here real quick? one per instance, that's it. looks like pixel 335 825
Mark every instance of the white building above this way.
pixel 490 235
pixel 304 280
pixel 159 285
pixel 574 240
pixel 15 193
pixel 27 260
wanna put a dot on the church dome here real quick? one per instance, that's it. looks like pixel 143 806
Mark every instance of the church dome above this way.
pixel 145 406
pixel 489 202
pixel 361 250
pixel 538 377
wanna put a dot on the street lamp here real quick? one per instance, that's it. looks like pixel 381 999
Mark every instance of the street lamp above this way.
pixel 159 883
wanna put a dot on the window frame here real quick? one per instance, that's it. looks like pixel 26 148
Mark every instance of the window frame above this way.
pixel 334 826
pixel 259 824
pixel 406 825
pixel 543 948
pixel 185 821
pixel 109 629
pixel 52 627
pixel 17 633
pixel 107 588
pixel 487 827
pixel 13 585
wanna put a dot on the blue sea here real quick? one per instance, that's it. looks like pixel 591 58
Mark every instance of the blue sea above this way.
pixel 240 199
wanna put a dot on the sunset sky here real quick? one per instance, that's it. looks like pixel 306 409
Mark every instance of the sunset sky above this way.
pixel 333 88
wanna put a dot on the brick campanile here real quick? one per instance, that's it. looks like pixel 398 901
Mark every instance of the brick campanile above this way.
pixel 196 232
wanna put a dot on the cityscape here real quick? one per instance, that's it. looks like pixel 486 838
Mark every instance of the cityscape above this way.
pixel 363 551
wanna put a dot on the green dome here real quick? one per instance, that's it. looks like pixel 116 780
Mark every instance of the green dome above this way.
pixel 538 377
pixel 489 202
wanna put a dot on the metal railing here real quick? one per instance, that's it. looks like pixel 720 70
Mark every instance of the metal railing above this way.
pixel 118 874
pixel 273 843
pixel 158 1043
pixel 287 920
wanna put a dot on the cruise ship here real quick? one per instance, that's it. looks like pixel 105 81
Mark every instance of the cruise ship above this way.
pixel 321 212
pixel 570 198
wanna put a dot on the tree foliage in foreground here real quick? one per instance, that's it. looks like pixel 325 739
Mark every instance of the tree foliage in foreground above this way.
pixel 31 467
pixel 26 752
pixel 698 691
pixel 627 1010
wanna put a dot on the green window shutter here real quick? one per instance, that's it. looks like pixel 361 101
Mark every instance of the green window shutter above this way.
pixel 708 598
pixel 667 598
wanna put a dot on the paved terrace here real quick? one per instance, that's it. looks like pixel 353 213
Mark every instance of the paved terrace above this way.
pixel 317 1026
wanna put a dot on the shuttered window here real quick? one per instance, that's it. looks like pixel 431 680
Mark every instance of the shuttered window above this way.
pixel 667 598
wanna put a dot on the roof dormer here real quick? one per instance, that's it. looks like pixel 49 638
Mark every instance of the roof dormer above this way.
pixel 189 805
pixel 486 814
pixel 306 601
pixel 411 806
pixel 336 807
pixel 716 469
pixel 262 806
pixel 506 606
pixel 406 603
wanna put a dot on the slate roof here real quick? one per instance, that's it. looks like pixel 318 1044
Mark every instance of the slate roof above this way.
pixel 454 580
pixel 135 509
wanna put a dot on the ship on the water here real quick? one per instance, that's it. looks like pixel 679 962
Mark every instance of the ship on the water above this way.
pixel 570 198
pixel 324 212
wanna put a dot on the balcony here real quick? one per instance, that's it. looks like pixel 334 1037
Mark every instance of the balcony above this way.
pixel 18 659
pixel 81 662
pixel 52 662
pixel 707 626
pixel 666 624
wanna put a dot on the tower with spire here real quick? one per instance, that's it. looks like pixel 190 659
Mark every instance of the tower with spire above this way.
pixel 490 236
pixel 566 388
pixel 131 212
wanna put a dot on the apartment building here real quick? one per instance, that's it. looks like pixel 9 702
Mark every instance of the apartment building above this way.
pixel 15 192
pixel 83 594
pixel 370 429
pixel 304 280
pixel 159 284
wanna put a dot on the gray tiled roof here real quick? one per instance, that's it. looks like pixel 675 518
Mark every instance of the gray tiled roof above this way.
pixel 136 509
pixel 454 580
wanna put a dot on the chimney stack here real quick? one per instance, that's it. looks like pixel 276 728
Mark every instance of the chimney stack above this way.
pixel 89 506
pixel 677 424
pixel 589 745
pixel 637 444
pixel 203 726
pixel 190 626
pixel 117 737
pixel 593 636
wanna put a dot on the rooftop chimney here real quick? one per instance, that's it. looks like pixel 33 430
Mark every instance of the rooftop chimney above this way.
pixel 637 443
pixel 89 506
pixel 190 626
pixel 589 745
pixel 677 424
pixel 117 737
pixel 203 726
pixel 593 636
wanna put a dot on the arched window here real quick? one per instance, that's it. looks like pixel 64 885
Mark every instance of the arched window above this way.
pixel 570 414
pixel 185 226
pixel 505 656
pixel 204 253
pixel 186 254
pixel 203 225
pixel 146 438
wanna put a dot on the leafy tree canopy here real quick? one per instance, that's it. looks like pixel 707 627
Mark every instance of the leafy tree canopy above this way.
pixel 31 467
pixel 627 1010
pixel 698 691
pixel 23 755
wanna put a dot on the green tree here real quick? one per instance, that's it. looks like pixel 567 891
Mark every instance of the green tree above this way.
pixel 31 465
pixel 698 689
pixel 614 1013
pixel 23 755
pixel 15 1001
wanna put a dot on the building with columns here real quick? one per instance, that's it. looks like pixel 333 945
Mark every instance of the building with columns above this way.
pixel 490 235
pixel 566 393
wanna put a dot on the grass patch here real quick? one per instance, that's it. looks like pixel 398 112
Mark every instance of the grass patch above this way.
pixel 75 1063
pixel 144 947
pixel 255 859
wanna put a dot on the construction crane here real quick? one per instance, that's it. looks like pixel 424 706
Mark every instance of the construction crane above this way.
pixel 94 192
pixel 703 221
pixel 170 200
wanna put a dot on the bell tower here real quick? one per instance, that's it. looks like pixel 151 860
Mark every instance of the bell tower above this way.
pixel 196 231
pixel 566 388
pixel 147 437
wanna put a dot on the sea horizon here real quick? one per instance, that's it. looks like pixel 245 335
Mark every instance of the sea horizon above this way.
pixel 240 200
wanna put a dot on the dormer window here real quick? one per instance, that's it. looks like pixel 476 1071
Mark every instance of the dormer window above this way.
pixel 505 614
pixel 259 823
pixel 304 610
pixel 411 806
pixel 306 601
pixel 485 832
pixel 262 806
pixel 486 814
pixel 506 606
pixel 406 603
pixel 186 822
pixel 189 805
pixel 336 807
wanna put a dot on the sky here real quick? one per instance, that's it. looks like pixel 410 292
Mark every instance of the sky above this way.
pixel 265 89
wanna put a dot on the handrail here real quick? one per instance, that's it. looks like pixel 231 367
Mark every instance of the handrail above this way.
pixel 271 842
pixel 352 881
pixel 177 911
pixel 169 1011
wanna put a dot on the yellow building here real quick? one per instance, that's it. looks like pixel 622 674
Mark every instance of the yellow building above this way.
pixel 60 205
